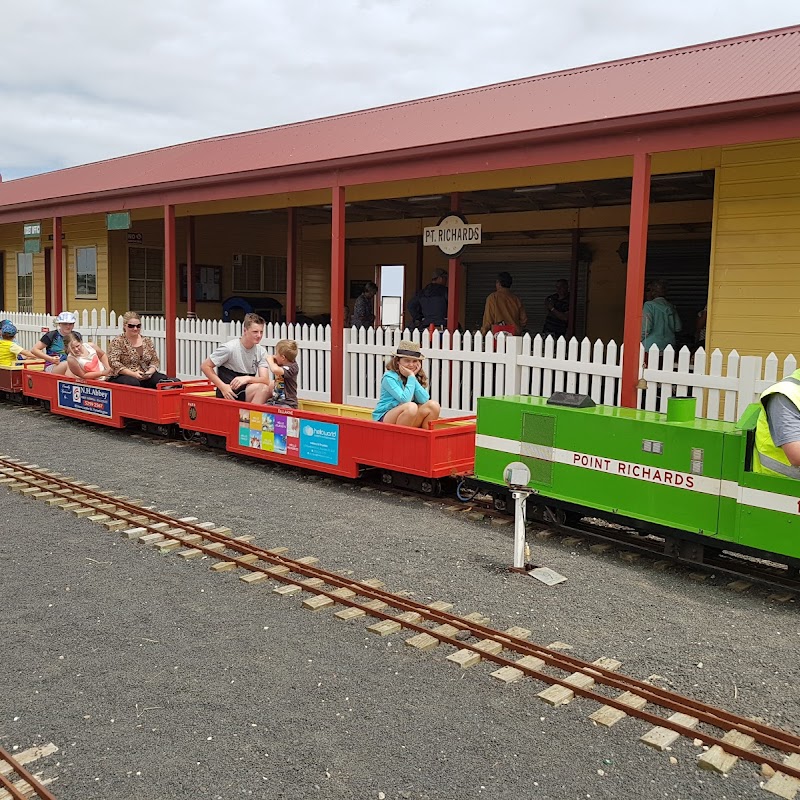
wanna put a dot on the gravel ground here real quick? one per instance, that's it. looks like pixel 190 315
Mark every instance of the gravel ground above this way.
pixel 160 679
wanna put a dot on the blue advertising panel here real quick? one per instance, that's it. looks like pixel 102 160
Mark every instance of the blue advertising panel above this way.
pixel 319 441
pixel 94 400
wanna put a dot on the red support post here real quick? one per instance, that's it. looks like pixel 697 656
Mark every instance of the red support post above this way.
pixel 191 306
pixel 291 265
pixel 634 283
pixel 58 268
pixel 337 294
pixel 453 278
pixel 170 284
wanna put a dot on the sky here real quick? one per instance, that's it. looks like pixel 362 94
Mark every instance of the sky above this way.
pixel 87 80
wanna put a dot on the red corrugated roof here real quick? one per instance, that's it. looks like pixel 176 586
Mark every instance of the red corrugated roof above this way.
pixel 756 66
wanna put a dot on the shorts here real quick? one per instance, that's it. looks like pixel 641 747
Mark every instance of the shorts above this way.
pixel 241 395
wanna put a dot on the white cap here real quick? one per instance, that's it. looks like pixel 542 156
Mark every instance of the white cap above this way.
pixel 66 317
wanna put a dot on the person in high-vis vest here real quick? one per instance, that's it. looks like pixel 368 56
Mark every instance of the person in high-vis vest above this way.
pixel 777 450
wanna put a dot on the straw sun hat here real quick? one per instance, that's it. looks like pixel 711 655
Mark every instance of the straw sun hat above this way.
pixel 407 349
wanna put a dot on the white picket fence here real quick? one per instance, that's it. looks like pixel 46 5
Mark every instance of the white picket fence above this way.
pixel 463 367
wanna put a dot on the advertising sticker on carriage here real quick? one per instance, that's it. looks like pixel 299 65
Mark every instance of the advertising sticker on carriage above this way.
pixel 319 441
pixel 274 433
pixel 93 400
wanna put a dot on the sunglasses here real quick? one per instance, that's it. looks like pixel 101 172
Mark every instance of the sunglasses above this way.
pixel 135 326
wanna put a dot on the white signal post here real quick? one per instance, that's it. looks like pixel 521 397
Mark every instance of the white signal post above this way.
pixel 517 477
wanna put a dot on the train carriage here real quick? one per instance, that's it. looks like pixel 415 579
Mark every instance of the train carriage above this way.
pixel 686 478
pixel 11 379
pixel 111 404
pixel 339 439
pixel 11 382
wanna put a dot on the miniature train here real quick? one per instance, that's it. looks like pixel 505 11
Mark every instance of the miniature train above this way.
pixel 689 480
pixel 685 479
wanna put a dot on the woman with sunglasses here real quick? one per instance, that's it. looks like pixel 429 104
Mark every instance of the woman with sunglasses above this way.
pixel 132 357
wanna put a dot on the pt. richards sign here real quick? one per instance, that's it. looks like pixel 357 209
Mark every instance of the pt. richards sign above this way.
pixel 451 235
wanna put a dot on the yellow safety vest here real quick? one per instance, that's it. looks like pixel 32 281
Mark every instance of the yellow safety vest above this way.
pixel 768 458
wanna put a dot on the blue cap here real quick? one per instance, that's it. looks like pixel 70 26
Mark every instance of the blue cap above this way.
pixel 8 328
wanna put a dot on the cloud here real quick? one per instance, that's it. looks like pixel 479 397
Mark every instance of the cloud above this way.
pixel 88 80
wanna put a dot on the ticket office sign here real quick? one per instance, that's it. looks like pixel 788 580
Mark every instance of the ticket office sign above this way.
pixel 92 400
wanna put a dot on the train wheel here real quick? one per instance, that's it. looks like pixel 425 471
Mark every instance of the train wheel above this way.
pixel 387 478
pixel 188 436
pixel 500 503
pixel 431 487
pixel 555 515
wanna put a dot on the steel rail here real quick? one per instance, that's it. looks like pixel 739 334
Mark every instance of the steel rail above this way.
pixel 765 734
pixel 38 787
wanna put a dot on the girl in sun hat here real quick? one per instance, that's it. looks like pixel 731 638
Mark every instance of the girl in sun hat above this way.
pixel 51 346
pixel 405 399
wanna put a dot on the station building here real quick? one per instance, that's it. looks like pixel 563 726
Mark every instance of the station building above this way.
pixel 682 165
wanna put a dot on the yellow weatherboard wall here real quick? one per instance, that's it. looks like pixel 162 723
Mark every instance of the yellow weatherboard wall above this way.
pixel 755 268
pixel 84 231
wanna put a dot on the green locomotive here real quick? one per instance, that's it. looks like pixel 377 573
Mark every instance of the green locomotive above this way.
pixel 687 479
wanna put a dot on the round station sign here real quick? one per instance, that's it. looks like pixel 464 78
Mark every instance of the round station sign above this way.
pixel 452 234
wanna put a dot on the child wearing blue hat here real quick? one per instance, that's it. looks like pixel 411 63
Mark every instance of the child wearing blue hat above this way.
pixel 9 349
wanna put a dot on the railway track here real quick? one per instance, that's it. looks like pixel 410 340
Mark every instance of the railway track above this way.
pixel 744 570
pixel 19 783
pixel 725 737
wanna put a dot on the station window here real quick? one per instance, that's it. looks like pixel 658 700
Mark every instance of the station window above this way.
pixel 258 274
pixel 146 279
pixel 86 272
pixel 24 281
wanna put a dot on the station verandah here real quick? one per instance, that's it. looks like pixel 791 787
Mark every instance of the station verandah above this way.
pixel 575 230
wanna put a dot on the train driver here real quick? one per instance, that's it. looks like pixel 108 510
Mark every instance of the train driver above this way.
pixel 777 450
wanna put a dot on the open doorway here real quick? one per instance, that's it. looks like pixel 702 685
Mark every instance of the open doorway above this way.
pixel 391 280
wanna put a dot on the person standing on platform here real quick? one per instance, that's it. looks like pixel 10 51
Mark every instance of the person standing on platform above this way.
pixel 429 305
pixel 504 311
pixel 364 308
pixel 660 320
pixel 557 321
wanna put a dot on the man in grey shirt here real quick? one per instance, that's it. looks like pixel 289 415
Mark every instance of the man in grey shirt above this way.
pixel 239 368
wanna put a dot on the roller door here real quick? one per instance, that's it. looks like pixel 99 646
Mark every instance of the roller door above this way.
pixel 535 271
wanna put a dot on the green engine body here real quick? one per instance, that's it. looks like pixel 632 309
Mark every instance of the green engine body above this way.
pixel 674 471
